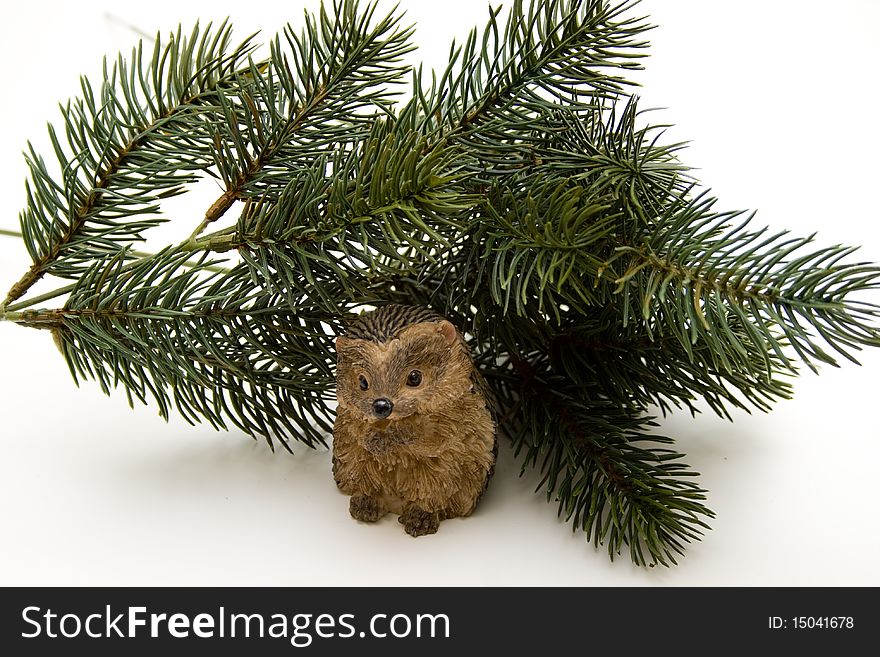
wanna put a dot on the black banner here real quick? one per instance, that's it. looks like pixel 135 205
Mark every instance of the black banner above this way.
pixel 423 621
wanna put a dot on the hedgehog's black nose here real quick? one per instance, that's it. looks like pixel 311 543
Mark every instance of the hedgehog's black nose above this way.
pixel 382 407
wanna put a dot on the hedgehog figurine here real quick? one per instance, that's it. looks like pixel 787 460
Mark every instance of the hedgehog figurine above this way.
pixel 414 433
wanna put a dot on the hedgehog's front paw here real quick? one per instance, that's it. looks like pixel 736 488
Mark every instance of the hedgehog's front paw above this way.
pixel 365 508
pixel 417 522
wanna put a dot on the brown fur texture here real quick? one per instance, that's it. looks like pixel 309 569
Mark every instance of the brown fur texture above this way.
pixel 413 435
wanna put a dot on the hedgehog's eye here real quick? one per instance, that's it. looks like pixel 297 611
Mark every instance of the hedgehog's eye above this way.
pixel 362 381
pixel 414 379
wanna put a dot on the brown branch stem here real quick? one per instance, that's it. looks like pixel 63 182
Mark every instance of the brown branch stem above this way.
pixel 738 293
pixel 234 192
pixel 38 268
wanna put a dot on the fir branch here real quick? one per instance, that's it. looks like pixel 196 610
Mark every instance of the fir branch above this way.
pixel 376 212
pixel 321 92
pixel 501 84
pixel 212 345
pixel 546 243
pixel 609 477
pixel 124 152
pixel 694 270
pixel 659 372
pixel 610 152
pixel 522 194
pixel 596 182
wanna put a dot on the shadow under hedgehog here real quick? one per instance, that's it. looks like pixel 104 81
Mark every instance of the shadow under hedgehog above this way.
pixel 414 433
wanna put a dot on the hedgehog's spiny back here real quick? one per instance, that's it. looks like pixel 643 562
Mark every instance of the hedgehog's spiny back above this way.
pixel 382 324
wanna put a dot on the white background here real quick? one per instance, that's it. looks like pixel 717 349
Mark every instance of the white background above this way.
pixel 780 101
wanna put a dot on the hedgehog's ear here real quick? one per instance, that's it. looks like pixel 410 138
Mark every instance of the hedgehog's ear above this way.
pixel 343 343
pixel 447 330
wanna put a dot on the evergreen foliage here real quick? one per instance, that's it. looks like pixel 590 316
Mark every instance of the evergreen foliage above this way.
pixel 520 191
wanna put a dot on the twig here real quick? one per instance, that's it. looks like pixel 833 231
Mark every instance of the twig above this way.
pixel 113 18
pixel 7 312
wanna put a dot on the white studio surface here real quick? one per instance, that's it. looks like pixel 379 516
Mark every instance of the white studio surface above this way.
pixel 780 102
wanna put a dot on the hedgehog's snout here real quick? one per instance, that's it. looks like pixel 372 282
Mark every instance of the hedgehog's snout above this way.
pixel 382 407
